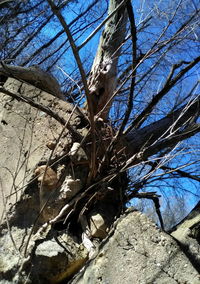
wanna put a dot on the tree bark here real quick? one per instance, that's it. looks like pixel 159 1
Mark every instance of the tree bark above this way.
pixel 103 75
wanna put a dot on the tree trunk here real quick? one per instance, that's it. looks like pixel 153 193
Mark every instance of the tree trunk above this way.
pixel 103 75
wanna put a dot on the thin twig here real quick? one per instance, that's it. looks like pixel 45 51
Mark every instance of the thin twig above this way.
pixel 43 108
pixel 170 82
pixel 134 64
pixel 84 80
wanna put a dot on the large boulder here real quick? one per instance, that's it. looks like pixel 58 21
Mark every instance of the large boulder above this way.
pixel 138 252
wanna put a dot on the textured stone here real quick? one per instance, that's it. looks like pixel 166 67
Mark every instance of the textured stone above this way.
pixel 28 251
pixel 97 226
pixel 24 133
pixel 138 252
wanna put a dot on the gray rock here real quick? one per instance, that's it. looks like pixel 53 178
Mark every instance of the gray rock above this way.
pixel 138 252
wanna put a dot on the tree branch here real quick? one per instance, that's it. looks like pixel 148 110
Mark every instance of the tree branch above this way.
pixel 167 126
pixel 54 38
pixel 152 196
pixel 170 170
pixel 134 65
pixel 169 84
pixel 102 24
pixel 56 11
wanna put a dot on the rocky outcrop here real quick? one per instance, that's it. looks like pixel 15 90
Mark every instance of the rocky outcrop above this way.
pixel 29 250
pixel 24 133
pixel 43 168
pixel 187 233
pixel 138 252
pixel 33 75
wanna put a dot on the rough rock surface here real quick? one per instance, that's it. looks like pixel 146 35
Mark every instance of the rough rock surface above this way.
pixel 52 257
pixel 24 133
pixel 138 252
pixel 187 232
pixel 29 252
pixel 35 76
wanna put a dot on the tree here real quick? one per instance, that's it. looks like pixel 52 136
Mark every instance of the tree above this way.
pixel 140 117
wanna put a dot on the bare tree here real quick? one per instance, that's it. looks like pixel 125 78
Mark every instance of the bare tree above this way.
pixel 134 123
